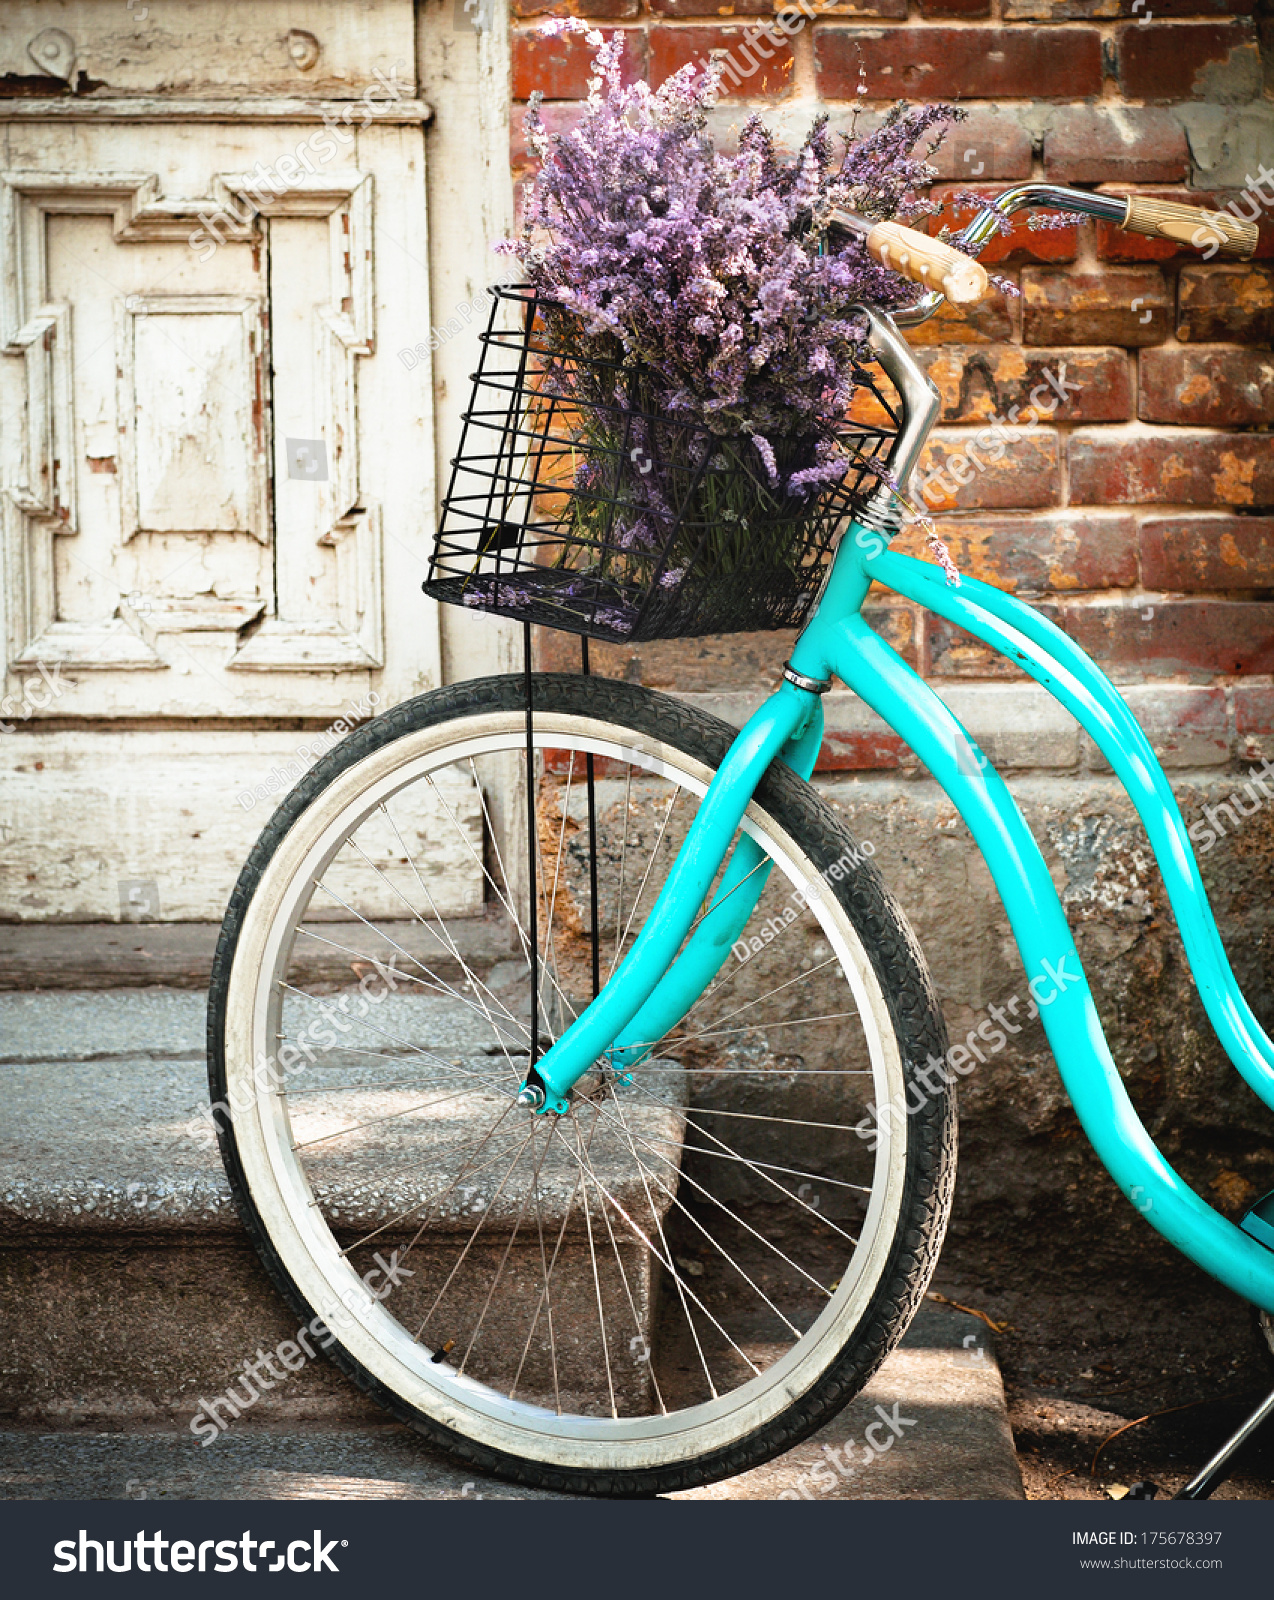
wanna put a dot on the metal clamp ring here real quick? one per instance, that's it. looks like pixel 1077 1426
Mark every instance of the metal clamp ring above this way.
pixel 810 685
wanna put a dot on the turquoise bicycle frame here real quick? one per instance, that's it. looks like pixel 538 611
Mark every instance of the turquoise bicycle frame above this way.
pixel 654 986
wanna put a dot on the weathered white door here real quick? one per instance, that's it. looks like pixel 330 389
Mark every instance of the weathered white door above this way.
pixel 218 496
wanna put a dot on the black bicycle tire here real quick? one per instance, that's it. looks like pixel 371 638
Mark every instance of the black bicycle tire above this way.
pixel 910 997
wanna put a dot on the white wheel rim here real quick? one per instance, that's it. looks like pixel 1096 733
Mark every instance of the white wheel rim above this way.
pixel 306 1245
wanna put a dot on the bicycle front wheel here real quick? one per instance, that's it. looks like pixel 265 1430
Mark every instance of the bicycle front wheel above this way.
pixel 686 1273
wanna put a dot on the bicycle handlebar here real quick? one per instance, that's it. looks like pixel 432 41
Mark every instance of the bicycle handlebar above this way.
pixel 920 257
pixel 1165 219
pixel 1227 235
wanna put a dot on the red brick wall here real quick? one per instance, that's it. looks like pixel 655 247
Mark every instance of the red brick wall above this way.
pixel 1142 512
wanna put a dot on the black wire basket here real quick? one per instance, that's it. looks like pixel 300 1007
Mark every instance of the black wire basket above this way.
pixel 570 506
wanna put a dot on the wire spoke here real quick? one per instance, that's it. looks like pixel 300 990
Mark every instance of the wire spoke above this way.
pixel 508 1250
pixel 411 1048
pixel 505 902
pixel 529 1228
pixel 467 1171
pixel 787 1194
pixel 547 1268
pixel 549 948
pixel 440 985
pixel 641 887
pixel 469 1243
pixel 677 1201
pixel 623 863
pixel 444 1146
pixel 671 1268
pixel 666 1258
pixel 720 984
pixel 727 1033
pixel 726 1154
pixel 632 1304
pixel 449 944
pixel 800 977
pixel 592 1256
pixel 716 905
pixel 390 1116
pixel 685 1177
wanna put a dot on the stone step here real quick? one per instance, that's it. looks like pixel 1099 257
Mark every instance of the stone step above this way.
pixel 129 1297
pixel 178 955
pixel 931 1425
pixel 127 1286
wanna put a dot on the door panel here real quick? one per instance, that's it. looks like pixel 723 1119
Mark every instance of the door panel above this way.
pixel 171 332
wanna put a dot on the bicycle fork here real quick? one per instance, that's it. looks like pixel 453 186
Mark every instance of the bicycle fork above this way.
pixel 650 992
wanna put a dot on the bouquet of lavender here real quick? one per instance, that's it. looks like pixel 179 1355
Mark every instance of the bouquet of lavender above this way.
pixel 698 299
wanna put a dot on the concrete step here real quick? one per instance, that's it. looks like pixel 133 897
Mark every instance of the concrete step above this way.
pixel 129 1296
pixel 127 1287
pixel 931 1425
pixel 178 955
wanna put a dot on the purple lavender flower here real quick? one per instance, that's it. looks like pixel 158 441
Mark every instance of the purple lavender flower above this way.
pixel 821 475
pixel 713 278
pixel 766 452
pixel 483 593
pixel 621 621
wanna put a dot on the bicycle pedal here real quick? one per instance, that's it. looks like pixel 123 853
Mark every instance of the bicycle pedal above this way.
pixel 1258 1221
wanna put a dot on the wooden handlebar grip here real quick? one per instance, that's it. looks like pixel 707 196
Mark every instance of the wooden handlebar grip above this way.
pixel 929 261
pixel 1165 219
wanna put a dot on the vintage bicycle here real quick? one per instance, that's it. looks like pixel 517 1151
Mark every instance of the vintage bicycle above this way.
pixel 585 1181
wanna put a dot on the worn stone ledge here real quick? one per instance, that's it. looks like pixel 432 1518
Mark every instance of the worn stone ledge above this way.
pixel 1022 728
pixel 955 1444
